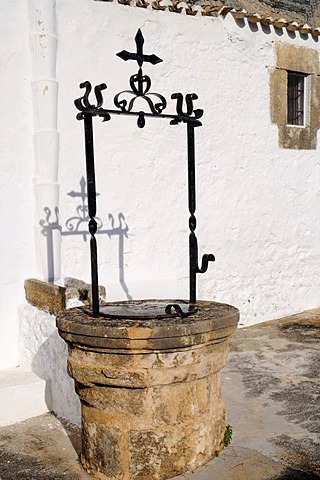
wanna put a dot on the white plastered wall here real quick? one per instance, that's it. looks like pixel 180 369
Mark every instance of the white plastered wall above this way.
pixel 29 158
pixel 17 252
pixel 257 205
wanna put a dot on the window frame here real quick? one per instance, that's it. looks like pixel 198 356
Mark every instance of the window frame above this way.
pixel 298 59
pixel 297 99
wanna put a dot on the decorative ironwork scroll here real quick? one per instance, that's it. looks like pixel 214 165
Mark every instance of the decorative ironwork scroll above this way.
pixel 156 103
pixel 140 84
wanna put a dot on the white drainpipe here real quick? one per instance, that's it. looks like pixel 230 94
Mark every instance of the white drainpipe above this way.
pixel 43 46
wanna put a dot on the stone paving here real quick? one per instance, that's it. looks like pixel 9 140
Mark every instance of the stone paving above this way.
pixel 272 391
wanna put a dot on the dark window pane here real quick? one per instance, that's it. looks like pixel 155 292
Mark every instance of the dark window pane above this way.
pixel 295 99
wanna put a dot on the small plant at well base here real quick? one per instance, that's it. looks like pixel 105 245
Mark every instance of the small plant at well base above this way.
pixel 226 439
pixel 227 436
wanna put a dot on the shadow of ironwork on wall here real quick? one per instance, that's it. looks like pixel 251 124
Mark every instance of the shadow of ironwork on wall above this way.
pixel 77 225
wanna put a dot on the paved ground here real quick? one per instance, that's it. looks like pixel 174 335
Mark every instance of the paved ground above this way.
pixel 272 390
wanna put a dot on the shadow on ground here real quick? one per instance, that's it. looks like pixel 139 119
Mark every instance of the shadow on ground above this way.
pixel 42 448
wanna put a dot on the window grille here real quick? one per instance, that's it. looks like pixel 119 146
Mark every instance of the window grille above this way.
pixel 296 99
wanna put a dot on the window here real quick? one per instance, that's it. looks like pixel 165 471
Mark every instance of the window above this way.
pixel 296 99
pixel 294 96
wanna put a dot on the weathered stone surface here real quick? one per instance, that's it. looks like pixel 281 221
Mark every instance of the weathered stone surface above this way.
pixel 101 449
pixel 303 60
pixel 211 323
pixel 149 389
pixel 173 452
pixel 93 368
pixel 80 290
pixel 45 296
pixel 292 10
pixel 182 402
pixel 116 401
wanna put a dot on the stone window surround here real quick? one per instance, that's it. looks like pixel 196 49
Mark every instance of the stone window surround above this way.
pixel 300 60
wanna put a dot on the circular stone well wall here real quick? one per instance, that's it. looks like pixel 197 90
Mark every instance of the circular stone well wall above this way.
pixel 149 389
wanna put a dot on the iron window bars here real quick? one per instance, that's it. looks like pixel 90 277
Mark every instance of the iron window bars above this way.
pixel 124 101
pixel 296 99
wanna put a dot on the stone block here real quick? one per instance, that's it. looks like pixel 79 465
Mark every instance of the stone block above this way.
pixel 72 293
pixel 101 449
pixel 149 449
pixel 80 290
pixel 162 454
pixel 94 374
pixel 180 402
pixel 45 296
pixel 297 59
pixel 120 402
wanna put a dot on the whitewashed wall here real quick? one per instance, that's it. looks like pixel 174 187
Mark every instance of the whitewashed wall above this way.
pixel 257 205
pixel 17 252
pixel 45 353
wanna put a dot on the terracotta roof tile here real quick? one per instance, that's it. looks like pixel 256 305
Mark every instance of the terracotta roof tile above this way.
pixel 291 14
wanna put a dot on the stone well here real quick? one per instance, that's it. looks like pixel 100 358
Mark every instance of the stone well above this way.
pixel 149 387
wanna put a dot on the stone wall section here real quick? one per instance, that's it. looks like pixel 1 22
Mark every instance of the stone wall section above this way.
pixel 301 60
pixel 178 418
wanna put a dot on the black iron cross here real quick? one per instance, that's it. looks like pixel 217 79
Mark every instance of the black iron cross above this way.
pixel 139 56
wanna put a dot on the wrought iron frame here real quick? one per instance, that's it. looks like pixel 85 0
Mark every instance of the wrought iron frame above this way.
pixel 124 102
